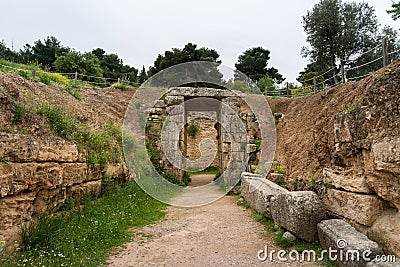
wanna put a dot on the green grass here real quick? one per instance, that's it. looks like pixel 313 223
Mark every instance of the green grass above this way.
pixel 44 76
pixel 19 113
pixel 103 145
pixel 209 170
pixel 86 236
pixel 283 243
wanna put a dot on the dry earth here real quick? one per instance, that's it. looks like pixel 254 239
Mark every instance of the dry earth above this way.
pixel 218 234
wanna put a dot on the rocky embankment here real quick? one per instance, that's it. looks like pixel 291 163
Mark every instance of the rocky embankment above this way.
pixel 344 143
pixel 40 171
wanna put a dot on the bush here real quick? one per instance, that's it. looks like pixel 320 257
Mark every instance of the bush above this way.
pixel 279 169
pixel 19 113
pixel 119 85
pixel 193 129
pixel 100 143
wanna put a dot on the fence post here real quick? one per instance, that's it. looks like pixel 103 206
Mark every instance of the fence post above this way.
pixel 76 78
pixel 287 89
pixel 34 75
pixel 385 52
pixel 342 70
pixel 335 75
pixel 315 84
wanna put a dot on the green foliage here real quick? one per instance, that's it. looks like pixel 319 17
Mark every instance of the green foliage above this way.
pixel 339 30
pixel 85 236
pixel 258 144
pixel 395 11
pixel 113 67
pixel 193 129
pixel 7 53
pixel 279 169
pixel 119 85
pixel 267 84
pixel 296 185
pixel 188 54
pixel 253 62
pixel 238 85
pixel 19 113
pixel 85 64
pixel 44 53
pixel 307 80
pixel 99 143
pixel 52 79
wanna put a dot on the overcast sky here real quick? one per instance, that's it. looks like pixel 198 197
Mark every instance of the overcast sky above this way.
pixel 140 30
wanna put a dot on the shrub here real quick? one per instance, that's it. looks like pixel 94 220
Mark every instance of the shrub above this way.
pixel 193 129
pixel 19 113
pixel 99 143
pixel 279 169
pixel 119 85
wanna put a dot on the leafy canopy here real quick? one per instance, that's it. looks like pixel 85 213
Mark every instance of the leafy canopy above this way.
pixel 338 30
pixel 253 62
pixel 188 54
pixel 395 11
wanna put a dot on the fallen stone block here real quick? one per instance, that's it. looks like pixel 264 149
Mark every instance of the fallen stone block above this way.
pixel 348 247
pixel 362 209
pixel 298 212
pixel 258 192
pixel 383 264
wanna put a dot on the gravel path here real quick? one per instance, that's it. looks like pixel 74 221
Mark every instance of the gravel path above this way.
pixel 218 234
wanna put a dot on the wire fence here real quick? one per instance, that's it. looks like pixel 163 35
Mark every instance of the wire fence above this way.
pixel 76 79
pixel 349 70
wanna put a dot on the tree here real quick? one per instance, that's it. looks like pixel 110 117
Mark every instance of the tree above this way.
pixel 267 84
pixel 338 30
pixel 142 75
pixel 7 53
pixel 253 62
pixel 369 56
pixel 395 11
pixel 113 66
pixel 45 52
pixel 190 53
pixel 85 64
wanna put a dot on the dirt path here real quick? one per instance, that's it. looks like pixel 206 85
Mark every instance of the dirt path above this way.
pixel 219 234
pixel 201 179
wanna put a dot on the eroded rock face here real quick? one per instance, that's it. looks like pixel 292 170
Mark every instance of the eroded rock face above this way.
pixel 351 182
pixel 385 178
pixel 362 209
pixel 39 175
pixel 386 229
pixel 298 212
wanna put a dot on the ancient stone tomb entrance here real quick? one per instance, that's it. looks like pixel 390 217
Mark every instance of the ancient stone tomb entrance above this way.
pixel 204 120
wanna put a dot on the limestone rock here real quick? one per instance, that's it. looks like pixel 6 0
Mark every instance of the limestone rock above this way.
pixel 171 100
pixel 258 192
pixel 383 264
pixel 339 235
pixel 159 104
pixel 387 155
pixel 79 192
pixel 387 228
pixel 351 182
pixel 385 179
pixel 362 209
pixel 289 236
pixel 207 92
pixel 298 212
